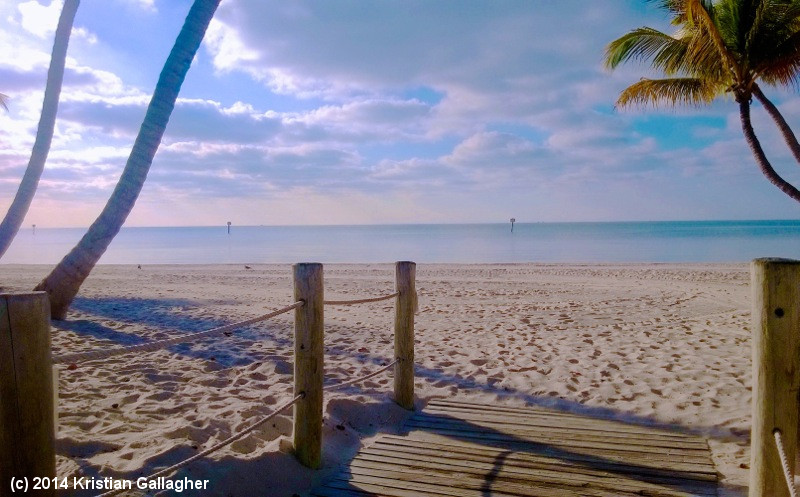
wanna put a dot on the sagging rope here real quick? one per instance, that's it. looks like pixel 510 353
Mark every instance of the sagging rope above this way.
pixel 361 301
pixel 787 473
pixel 216 447
pixel 363 378
pixel 249 429
pixel 104 353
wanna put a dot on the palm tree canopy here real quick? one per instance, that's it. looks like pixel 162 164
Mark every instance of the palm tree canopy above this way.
pixel 719 47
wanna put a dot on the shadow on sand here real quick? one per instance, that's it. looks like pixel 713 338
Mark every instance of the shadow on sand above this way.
pixel 233 476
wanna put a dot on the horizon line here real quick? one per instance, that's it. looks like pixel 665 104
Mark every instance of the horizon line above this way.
pixel 310 225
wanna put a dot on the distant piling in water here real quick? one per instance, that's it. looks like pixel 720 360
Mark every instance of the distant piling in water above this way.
pixel 34 229
pixel 229 227
pixel 512 224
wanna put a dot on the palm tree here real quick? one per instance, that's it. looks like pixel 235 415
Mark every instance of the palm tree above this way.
pixel 63 283
pixel 4 101
pixel 721 47
pixel 44 134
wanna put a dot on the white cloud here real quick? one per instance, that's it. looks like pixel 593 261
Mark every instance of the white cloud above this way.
pixel 228 48
pixel 40 20
pixel 146 5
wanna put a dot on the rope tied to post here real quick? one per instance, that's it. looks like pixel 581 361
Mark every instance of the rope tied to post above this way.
pixel 150 346
pixel 787 472
pixel 227 441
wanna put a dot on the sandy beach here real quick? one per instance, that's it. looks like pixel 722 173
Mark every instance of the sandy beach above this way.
pixel 663 344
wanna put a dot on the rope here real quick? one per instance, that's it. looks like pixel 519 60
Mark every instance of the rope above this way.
pixel 787 473
pixel 361 301
pixel 216 447
pixel 364 378
pixel 102 354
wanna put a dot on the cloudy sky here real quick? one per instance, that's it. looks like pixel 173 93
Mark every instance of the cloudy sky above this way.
pixel 361 111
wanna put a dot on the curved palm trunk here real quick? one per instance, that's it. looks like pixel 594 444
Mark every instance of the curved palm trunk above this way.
pixel 758 153
pixel 783 126
pixel 44 134
pixel 63 283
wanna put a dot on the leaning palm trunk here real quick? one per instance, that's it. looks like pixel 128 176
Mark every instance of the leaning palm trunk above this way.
pixel 44 134
pixel 758 152
pixel 63 283
pixel 783 126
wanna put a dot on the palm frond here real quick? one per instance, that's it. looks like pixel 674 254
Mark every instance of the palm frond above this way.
pixel 675 7
pixel 782 67
pixel 702 59
pixel 4 101
pixel 671 92
pixel 700 14
pixel 759 14
pixel 644 44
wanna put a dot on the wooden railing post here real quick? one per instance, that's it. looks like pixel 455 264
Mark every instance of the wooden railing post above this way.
pixel 308 363
pixel 404 333
pixel 776 371
pixel 26 392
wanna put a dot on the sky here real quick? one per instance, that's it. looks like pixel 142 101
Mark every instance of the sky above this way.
pixel 371 112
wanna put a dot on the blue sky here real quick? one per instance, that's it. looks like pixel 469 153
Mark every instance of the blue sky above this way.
pixel 357 111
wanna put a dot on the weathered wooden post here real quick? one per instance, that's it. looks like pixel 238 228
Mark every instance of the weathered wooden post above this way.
pixel 308 363
pixel 776 371
pixel 405 273
pixel 26 393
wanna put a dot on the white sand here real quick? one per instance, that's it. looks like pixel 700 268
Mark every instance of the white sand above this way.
pixel 654 343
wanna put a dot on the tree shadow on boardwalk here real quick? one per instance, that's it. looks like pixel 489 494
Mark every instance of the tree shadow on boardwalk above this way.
pixel 497 462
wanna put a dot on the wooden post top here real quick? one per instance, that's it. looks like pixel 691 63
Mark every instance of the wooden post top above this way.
pixel 20 294
pixel 763 261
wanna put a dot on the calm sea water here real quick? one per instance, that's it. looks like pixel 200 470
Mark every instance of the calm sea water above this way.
pixel 711 241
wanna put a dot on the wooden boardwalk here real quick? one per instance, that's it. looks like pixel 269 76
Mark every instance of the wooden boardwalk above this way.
pixel 461 449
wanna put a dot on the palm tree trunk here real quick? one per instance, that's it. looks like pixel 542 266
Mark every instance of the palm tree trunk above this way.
pixel 44 134
pixel 758 152
pixel 63 283
pixel 783 126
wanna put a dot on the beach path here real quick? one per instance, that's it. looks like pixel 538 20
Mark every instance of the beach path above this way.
pixel 461 449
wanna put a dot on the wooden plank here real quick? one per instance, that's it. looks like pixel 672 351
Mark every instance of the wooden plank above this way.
pixel 556 420
pixel 654 473
pixel 539 439
pixel 574 454
pixel 555 442
pixel 485 483
pixel 394 488
pixel 543 466
pixel 500 471
pixel 330 491
pixel 567 432
pixel 623 466
pixel 549 417
pixel 467 450
pixel 535 411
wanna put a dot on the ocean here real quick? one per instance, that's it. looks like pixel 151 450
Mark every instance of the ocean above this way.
pixel 683 241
